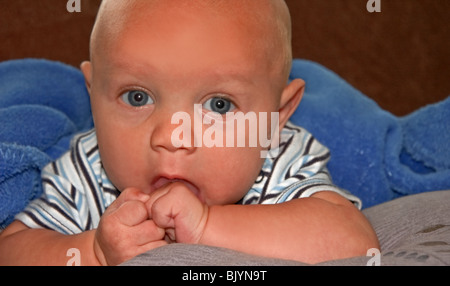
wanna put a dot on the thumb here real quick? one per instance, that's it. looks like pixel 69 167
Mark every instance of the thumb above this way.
pixel 129 194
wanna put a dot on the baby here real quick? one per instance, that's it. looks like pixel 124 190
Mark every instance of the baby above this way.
pixel 127 187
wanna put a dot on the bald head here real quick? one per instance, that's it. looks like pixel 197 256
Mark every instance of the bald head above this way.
pixel 267 22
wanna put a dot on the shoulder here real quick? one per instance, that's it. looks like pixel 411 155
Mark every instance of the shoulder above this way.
pixel 85 142
pixel 295 143
pixel 75 162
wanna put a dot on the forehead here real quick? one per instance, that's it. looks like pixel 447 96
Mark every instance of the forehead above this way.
pixel 176 33
pixel 264 21
pixel 244 34
pixel 249 9
pixel 116 15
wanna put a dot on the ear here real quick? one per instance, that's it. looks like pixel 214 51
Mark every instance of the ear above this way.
pixel 290 99
pixel 86 69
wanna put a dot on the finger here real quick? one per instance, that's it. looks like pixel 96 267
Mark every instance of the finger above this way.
pixel 154 197
pixel 131 213
pixel 147 232
pixel 170 235
pixel 180 213
pixel 129 194
pixel 168 202
pixel 168 239
pixel 133 194
pixel 160 208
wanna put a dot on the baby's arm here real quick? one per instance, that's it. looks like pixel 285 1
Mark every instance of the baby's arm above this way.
pixel 20 245
pixel 124 232
pixel 322 227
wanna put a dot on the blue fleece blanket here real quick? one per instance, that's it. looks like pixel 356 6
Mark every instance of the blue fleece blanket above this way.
pixel 375 155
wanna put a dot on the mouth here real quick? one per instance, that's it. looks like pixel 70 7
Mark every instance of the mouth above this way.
pixel 161 181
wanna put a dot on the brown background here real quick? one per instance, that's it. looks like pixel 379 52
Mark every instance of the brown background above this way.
pixel 399 57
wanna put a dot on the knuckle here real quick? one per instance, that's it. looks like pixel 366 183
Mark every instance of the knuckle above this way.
pixel 133 194
pixel 129 193
pixel 154 231
pixel 178 189
pixel 132 209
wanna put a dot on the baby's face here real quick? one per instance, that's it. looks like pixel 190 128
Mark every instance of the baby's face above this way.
pixel 163 64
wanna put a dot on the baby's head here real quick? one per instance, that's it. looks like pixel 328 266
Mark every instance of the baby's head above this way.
pixel 152 59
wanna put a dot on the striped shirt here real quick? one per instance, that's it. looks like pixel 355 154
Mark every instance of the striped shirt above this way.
pixel 298 171
pixel 76 190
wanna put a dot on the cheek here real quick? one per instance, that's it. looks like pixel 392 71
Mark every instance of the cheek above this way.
pixel 121 154
pixel 121 145
pixel 232 173
pixel 113 153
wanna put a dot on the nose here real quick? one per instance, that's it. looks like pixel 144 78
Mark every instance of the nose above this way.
pixel 173 132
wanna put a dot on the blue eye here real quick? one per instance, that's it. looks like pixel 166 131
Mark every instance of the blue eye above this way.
pixel 136 98
pixel 219 105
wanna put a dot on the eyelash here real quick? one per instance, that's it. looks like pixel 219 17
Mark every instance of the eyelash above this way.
pixel 126 97
pixel 229 103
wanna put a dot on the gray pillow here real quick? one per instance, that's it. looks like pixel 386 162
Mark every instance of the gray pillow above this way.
pixel 413 230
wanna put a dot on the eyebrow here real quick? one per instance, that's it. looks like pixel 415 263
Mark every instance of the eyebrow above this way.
pixel 125 65
pixel 232 75
pixel 219 74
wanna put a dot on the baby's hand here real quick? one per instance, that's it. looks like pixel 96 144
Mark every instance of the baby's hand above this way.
pixel 176 209
pixel 125 229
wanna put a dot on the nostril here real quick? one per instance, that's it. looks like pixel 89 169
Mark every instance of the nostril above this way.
pixel 172 132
